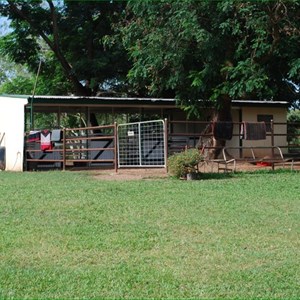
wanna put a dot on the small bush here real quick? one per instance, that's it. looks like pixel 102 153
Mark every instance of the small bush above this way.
pixel 180 164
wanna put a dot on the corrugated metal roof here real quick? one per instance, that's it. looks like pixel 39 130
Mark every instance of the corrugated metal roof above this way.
pixel 260 102
pixel 103 98
pixel 240 102
pixel 111 100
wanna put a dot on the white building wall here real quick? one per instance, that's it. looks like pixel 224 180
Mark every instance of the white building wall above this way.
pixel 12 126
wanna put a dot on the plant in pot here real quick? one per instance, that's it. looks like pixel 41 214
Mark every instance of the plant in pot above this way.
pixel 184 164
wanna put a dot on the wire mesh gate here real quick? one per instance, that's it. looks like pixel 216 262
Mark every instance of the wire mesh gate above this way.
pixel 142 144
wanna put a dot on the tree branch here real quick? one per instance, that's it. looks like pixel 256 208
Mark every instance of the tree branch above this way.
pixel 54 24
pixel 23 16
pixel 54 46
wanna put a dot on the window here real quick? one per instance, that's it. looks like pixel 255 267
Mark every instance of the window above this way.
pixel 267 119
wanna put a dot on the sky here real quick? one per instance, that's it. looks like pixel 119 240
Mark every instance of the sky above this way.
pixel 4 26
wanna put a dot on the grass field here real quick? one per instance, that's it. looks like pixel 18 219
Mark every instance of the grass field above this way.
pixel 68 235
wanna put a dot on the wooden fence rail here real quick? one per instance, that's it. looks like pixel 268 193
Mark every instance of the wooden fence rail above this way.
pixel 88 147
pixel 79 147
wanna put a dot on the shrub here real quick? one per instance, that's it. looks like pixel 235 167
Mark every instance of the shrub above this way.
pixel 180 164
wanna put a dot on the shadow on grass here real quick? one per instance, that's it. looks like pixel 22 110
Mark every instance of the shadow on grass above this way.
pixel 214 176
pixel 206 176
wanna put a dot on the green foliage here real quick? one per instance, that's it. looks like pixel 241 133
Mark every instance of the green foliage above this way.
pixel 211 49
pixel 50 121
pixel 68 37
pixel 14 78
pixel 294 116
pixel 18 85
pixel 187 49
pixel 180 164
pixel 293 129
pixel 20 81
pixel 294 72
pixel 90 22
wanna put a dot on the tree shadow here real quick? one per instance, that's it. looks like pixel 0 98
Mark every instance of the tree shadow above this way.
pixel 208 176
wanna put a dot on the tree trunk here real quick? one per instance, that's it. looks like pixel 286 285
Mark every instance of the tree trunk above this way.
pixel 223 113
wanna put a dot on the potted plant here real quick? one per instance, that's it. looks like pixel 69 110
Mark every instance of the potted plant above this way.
pixel 184 164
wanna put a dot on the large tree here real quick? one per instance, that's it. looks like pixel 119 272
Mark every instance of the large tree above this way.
pixel 68 37
pixel 214 50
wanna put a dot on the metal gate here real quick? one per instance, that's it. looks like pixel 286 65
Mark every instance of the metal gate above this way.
pixel 142 144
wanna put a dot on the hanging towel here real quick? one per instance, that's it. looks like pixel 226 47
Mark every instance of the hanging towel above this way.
pixel 56 135
pixel 254 131
pixel 46 140
pixel 34 136
pixel 222 130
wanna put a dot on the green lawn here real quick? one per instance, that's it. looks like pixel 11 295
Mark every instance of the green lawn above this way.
pixel 68 235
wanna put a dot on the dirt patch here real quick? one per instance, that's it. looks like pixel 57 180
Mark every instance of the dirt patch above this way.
pixel 159 173
pixel 243 167
pixel 131 174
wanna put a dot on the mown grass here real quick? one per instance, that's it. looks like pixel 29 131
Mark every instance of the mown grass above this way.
pixel 68 235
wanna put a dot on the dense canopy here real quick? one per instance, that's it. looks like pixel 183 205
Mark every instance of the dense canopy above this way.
pixel 68 37
pixel 214 49
pixel 189 49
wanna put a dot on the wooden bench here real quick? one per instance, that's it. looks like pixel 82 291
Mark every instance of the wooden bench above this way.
pixel 276 158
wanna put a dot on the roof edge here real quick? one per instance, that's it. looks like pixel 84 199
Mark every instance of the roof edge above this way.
pixel 235 102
